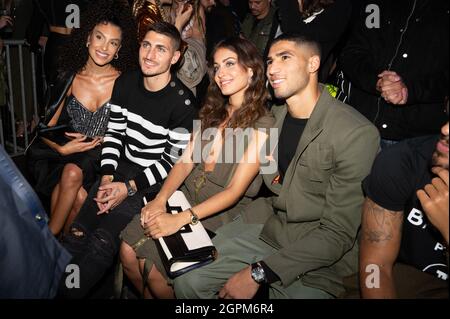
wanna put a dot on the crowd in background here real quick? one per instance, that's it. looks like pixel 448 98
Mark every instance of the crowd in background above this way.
pixel 367 82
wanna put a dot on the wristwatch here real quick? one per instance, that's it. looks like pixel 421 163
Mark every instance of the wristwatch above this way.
pixel 130 189
pixel 258 273
pixel 194 217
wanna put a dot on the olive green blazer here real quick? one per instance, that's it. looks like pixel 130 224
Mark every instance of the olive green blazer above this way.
pixel 315 218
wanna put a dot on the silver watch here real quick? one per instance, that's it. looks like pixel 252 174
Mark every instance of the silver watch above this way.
pixel 130 189
pixel 258 273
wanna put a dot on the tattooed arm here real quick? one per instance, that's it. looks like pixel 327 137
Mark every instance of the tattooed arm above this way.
pixel 380 243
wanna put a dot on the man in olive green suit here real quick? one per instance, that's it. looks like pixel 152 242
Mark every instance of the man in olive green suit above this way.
pixel 302 242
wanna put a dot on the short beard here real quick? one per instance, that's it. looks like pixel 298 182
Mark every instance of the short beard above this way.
pixel 149 74
pixel 435 160
pixel 289 94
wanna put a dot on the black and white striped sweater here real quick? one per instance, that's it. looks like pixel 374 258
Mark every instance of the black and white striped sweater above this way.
pixel 149 129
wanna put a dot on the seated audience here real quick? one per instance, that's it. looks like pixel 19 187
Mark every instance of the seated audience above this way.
pixel 303 241
pixel 149 126
pixel 217 190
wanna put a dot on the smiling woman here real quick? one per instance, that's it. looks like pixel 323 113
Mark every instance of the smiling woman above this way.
pixel 103 47
pixel 235 67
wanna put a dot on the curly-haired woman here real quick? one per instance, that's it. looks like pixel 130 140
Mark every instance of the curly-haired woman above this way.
pixel 98 52
pixel 234 123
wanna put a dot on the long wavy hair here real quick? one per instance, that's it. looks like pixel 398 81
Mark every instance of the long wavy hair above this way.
pixel 214 111
pixel 312 6
pixel 74 55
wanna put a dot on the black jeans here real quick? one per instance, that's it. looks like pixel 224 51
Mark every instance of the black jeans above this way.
pixel 94 248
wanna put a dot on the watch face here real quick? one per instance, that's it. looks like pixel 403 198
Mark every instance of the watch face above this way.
pixel 258 274
pixel 194 217
pixel 130 189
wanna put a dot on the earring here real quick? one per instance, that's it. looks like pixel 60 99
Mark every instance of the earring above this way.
pixel 87 44
pixel 116 56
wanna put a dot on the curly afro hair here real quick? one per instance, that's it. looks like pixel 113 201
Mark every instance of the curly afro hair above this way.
pixel 74 55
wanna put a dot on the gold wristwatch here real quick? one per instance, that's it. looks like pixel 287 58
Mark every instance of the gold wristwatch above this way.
pixel 194 217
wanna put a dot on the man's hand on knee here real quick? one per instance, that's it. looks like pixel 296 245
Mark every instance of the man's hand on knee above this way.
pixel 240 286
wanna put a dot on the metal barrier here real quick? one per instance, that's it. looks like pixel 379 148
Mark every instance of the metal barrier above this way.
pixel 20 113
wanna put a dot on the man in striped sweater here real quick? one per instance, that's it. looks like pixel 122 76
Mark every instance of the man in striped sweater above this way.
pixel 151 117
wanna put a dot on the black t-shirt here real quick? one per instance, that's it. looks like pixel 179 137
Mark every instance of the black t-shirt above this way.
pixel 397 173
pixel 290 135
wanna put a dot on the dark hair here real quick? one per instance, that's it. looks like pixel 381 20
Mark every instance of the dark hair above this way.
pixel 214 111
pixel 312 6
pixel 166 29
pixel 300 40
pixel 74 55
